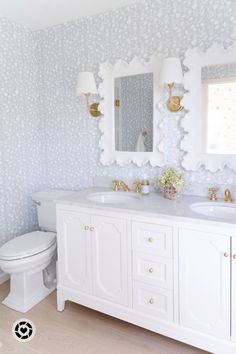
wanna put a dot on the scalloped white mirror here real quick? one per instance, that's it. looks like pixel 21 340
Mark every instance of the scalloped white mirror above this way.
pixel 210 122
pixel 130 124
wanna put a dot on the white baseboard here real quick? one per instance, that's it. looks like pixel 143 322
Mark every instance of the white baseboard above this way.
pixel 3 277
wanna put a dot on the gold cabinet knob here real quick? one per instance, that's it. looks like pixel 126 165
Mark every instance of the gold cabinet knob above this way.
pixel 92 228
pixel 234 256
pixel 226 254
pixel 86 228
pixel 151 270
pixel 150 239
pixel 151 301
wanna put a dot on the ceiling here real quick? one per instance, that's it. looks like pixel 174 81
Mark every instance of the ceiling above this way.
pixel 39 14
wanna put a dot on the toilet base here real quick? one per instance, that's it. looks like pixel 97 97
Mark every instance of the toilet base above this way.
pixel 27 290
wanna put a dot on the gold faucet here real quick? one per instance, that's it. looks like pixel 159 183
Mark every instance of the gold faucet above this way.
pixel 228 197
pixel 117 185
pixel 138 185
pixel 213 196
pixel 124 186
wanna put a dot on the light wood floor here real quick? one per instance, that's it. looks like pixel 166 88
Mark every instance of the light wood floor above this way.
pixel 79 330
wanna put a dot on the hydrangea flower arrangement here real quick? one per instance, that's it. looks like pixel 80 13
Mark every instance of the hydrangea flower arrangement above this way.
pixel 171 181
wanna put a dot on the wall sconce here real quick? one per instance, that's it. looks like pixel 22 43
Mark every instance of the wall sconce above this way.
pixel 86 86
pixel 172 74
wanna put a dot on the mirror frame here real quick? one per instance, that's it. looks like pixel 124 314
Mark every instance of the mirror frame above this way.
pixel 192 123
pixel 108 73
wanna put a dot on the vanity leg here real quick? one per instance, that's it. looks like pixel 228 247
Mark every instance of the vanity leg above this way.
pixel 60 303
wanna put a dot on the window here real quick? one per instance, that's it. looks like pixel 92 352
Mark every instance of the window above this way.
pixel 219 112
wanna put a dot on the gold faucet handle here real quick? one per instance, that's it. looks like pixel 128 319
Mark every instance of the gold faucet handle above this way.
pixel 137 186
pixel 213 191
pixel 116 185
pixel 125 186
pixel 228 197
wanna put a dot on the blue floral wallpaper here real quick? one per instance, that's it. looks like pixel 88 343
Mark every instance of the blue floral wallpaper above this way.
pixel 47 138
pixel 219 71
pixel 21 151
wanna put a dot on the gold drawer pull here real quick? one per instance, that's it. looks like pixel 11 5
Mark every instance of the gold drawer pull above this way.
pixel 86 228
pixel 150 239
pixel 92 228
pixel 234 256
pixel 151 270
pixel 151 301
pixel 226 254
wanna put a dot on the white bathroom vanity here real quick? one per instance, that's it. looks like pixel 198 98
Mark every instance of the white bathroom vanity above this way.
pixel 152 262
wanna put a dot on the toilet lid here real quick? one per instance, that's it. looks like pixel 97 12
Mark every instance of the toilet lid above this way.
pixel 27 245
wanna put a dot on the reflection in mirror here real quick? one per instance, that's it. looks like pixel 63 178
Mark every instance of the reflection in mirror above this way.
pixel 219 108
pixel 134 113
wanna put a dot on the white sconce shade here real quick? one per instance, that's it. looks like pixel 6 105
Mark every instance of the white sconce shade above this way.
pixel 86 83
pixel 171 71
pixel 86 86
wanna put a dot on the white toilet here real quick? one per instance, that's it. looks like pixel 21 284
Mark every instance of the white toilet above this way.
pixel 30 259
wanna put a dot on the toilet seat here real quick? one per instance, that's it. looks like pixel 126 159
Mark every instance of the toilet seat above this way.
pixel 27 245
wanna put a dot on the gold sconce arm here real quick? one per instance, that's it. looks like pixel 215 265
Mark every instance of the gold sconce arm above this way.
pixel 92 108
pixel 171 74
pixel 174 102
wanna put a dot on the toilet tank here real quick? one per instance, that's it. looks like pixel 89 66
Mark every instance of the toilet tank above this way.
pixel 46 207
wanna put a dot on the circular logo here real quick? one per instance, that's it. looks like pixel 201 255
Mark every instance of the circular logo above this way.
pixel 23 330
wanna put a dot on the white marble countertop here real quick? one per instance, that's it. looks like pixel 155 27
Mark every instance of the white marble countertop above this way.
pixel 154 205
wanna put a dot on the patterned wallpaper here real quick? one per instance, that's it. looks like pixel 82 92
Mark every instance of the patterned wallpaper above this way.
pixel 168 27
pixel 219 71
pixel 21 150
pixel 41 117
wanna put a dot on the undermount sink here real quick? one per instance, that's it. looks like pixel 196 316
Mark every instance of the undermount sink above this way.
pixel 113 197
pixel 215 210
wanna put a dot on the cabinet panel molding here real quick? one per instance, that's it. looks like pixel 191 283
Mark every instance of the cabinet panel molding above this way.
pixel 152 238
pixel 74 247
pixel 109 255
pixel 205 282
pixel 153 270
pixel 153 301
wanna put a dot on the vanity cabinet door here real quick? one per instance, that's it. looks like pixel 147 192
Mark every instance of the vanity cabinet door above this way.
pixel 109 255
pixel 234 289
pixel 74 249
pixel 204 266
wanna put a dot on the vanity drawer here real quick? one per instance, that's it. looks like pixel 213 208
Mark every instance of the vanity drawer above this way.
pixel 153 270
pixel 152 238
pixel 153 301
